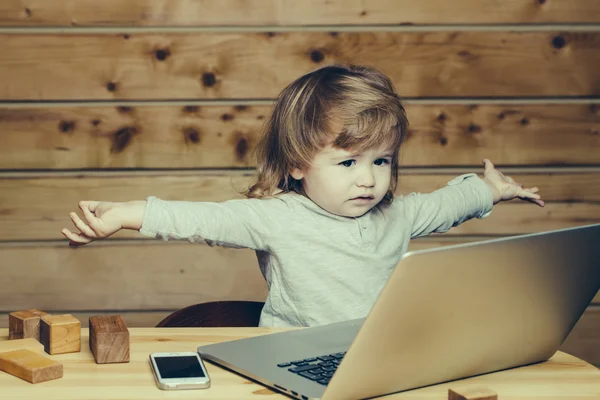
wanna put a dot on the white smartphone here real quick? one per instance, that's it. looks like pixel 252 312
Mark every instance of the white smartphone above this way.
pixel 179 370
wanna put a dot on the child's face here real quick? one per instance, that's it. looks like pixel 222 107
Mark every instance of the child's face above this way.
pixel 347 183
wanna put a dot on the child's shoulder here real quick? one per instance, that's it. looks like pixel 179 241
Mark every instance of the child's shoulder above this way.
pixel 275 200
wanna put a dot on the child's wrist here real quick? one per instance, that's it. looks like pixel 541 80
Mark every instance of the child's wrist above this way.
pixel 495 192
pixel 134 214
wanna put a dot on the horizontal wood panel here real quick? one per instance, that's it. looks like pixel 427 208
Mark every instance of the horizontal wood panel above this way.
pixel 144 277
pixel 258 65
pixel 33 209
pixel 196 136
pixel 136 276
pixel 291 12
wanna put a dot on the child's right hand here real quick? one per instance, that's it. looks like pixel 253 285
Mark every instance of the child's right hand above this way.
pixel 102 219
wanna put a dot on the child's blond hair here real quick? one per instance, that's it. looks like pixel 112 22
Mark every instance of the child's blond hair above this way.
pixel 307 117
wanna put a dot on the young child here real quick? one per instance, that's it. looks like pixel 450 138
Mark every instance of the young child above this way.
pixel 322 215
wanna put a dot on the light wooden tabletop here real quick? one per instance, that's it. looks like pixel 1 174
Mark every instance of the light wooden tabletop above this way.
pixel 562 377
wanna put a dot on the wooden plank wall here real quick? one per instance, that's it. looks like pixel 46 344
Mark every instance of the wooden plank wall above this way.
pixel 118 100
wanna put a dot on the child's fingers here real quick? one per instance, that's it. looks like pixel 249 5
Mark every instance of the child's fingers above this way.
pixel 75 238
pixel 538 202
pixel 526 194
pixel 91 219
pixel 82 226
pixel 487 166
pixel 91 205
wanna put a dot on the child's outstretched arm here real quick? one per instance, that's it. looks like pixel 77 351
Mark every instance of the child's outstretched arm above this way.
pixel 465 197
pixel 102 219
pixel 244 223
pixel 505 188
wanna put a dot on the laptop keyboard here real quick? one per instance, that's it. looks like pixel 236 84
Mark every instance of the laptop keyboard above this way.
pixel 319 369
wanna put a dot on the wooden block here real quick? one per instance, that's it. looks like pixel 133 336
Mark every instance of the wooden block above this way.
pixel 25 324
pixel 30 366
pixel 109 339
pixel 472 393
pixel 60 334
pixel 21 344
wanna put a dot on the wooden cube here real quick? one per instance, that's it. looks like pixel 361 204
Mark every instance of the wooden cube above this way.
pixel 109 339
pixel 60 334
pixel 30 366
pixel 472 393
pixel 25 324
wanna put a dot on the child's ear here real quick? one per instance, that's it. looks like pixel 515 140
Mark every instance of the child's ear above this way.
pixel 297 174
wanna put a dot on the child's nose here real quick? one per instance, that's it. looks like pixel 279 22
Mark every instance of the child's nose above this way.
pixel 366 177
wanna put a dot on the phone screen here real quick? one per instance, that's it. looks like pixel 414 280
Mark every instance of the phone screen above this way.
pixel 179 367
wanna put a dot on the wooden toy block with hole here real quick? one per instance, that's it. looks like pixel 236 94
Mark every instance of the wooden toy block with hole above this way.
pixel 472 393
pixel 25 324
pixel 22 344
pixel 109 339
pixel 60 334
pixel 30 366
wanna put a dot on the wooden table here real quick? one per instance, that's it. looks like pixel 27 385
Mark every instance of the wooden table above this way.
pixel 562 377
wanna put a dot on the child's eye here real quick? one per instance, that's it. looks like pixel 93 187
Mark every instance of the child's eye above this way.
pixel 382 161
pixel 347 163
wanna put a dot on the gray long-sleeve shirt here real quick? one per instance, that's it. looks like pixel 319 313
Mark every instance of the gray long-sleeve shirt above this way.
pixel 320 268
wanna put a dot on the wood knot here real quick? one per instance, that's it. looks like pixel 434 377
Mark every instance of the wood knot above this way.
pixel 558 42
pixel 270 34
pixel 162 54
pixel 240 107
pixel 241 145
pixel 124 109
pixel 122 138
pixel 541 2
pixel 501 116
pixel 443 140
pixel 524 121
pixel 126 36
pixel 190 109
pixel 28 12
pixel 111 86
pixel 66 126
pixel 363 13
pixel 467 55
pixel 209 79
pixel 317 56
pixel 227 117
pixel 191 135
pixel 441 118
pixel 95 122
pixel 474 128
pixel 334 34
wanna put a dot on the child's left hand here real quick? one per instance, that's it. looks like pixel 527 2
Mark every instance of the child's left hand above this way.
pixel 505 188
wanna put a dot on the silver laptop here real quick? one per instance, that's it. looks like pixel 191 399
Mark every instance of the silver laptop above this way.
pixel 444 314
